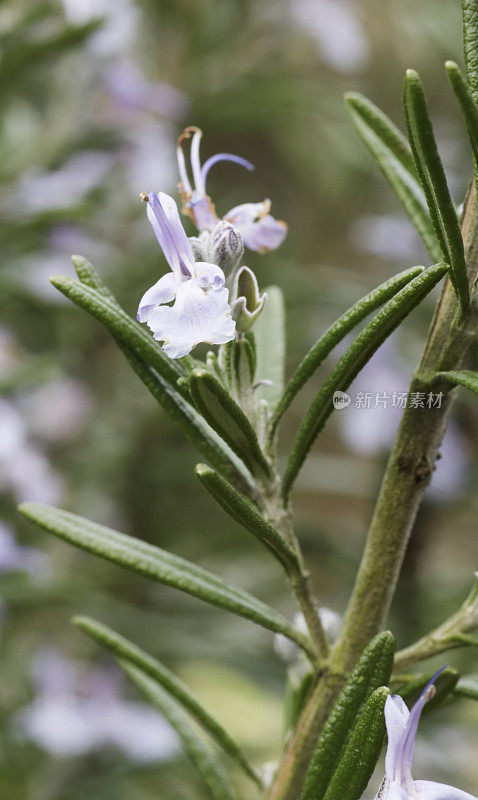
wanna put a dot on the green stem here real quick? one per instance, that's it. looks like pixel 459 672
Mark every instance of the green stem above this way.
pixel 299 578
pixel 453 632
pixel 407 475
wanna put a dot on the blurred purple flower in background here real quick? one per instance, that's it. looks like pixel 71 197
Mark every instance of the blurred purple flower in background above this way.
pixel 57 410
pixel 119 27
pixel 24 468
pixel 337 30
pixel 132 92
pixel 41 190
pixel 259 230
pixel 80 709
pixel 201 312
pixel 387 236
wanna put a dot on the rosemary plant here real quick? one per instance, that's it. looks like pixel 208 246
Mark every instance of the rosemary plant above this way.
pixel 231 406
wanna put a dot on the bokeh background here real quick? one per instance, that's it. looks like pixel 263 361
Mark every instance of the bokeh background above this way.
pixel 93 95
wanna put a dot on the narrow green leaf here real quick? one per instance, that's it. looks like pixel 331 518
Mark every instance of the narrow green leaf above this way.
pixel 227 418
pixel 468 106
pixel 470 43
pixel 203 758
pixel 392 153
pixel 333 335
pixel 371 671
pixel 194 426
pixel 354 359
pixel 158 565
pixel 89 277
pixel 467 687
pixel 362 751
pixel 462 377
pixel 121 326
pixel 127 651
pixel 269 333
pixel 433 179
pixel 243 511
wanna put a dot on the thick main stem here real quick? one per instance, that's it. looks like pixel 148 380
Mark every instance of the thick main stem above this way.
pixel 407 475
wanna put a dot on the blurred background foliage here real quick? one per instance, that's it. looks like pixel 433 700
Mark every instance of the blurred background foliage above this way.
pixel 93 97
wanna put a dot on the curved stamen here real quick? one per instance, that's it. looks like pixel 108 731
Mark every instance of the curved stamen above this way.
pixel 182 168
pixel 222 157
pixel 183 173
pixel 196 162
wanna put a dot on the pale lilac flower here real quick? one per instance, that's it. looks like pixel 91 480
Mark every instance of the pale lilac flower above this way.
pixel 259 230
pixel 338 32
pixel 57 411
pixel 24 469
pixel 77 711
pixel 201 312
pixel 402 726
pixel 119 23
pixel 133 92
pixel 42 190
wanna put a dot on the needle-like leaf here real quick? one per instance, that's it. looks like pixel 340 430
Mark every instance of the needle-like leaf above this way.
pixel 432 177
pixel 242 510
pixel 121 326
pixel 353 360
pixel 462 377
pixel 392 153
pixel 333 335
pixel 159 565
pixel 125 650
pixel 362 751
pixel 203 758
pixel 470 43
pixel 371 671
pixel 227 418
pixel 468 106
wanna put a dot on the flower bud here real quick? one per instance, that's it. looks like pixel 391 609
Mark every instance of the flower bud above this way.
pixel 248 301
pixel 226 247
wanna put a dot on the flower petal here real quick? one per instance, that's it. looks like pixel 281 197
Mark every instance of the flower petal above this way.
pixel 202 212
pixel 177 233
pixel 260 231
pixel 197 316
pixel 414 719
pixel 396 718
pixel 164 217
pixel 428 790
pixel 158 222
pixel 395 792
pixel 162 292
